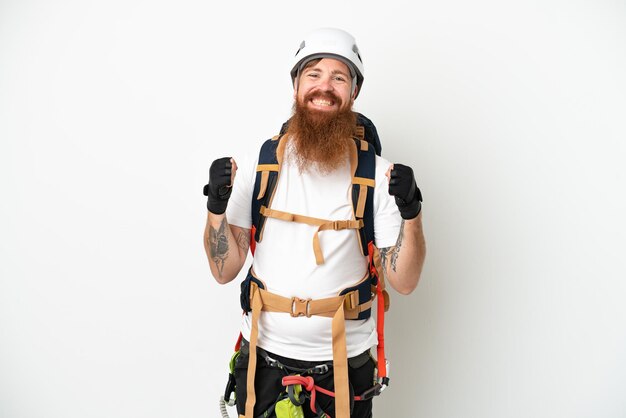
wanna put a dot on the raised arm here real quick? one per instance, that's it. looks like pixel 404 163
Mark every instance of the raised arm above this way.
pixel 226 245
pixel 403 263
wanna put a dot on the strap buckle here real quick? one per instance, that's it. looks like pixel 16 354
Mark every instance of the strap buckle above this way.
pixel 340 225
pixel 351 300
pixel 300 307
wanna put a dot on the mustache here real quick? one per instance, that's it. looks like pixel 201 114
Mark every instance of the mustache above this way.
pixel 323 95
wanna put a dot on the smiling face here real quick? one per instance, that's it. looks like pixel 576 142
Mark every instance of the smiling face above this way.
pixel 324 86
pixel 323 122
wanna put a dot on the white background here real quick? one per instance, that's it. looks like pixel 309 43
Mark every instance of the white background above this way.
pixel 511 113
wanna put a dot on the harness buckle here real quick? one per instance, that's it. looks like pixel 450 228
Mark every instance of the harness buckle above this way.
pixel 320 369
pixel 300 307
pixel 340 225
pixel 351 301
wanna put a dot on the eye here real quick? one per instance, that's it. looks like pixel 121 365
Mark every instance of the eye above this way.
pixel 340 78
pixel 312 75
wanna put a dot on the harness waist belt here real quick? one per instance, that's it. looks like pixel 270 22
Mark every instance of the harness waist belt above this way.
pixel 339 308
pixel 309 307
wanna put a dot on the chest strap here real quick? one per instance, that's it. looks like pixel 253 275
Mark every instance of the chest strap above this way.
pixel 322 224
pixel 363 174
pixel 339 308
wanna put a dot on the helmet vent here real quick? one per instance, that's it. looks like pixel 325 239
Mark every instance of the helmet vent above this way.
pixel 301 46
pixel 356 51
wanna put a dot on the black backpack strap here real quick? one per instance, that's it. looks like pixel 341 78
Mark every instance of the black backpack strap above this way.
pixel 363 183
pixel 370 134
pixel 267 171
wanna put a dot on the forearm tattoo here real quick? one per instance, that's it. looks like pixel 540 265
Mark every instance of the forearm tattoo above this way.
pixel 389 255
pixel 243 240
pixel 383 257
pixel 399 241
pixel 218 245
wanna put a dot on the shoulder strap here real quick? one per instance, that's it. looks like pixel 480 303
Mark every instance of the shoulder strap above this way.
pixel 363 183
pixel 268 168
pixel 366 130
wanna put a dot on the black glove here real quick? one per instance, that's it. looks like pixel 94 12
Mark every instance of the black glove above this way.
pixel 219 188
pixel 403 187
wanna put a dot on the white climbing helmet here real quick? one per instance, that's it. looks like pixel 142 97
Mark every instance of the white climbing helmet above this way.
pixel 330 43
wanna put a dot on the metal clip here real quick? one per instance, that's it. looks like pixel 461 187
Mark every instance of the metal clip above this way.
pixel 320 369
pixel 272 362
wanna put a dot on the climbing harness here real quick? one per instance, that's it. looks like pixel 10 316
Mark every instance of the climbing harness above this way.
pixel 352 303
pixel 300 387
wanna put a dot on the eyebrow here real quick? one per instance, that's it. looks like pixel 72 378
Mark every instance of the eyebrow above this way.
pixel 339 72
pixel 333 72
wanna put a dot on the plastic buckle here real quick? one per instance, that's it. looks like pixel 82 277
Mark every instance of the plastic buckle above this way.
pixel 339 225
pixel 351 301
pixel 300 307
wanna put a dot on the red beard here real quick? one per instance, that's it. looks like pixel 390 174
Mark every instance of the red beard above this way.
pixel 321 139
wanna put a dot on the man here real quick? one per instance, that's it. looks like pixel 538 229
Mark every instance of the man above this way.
pixel 312 201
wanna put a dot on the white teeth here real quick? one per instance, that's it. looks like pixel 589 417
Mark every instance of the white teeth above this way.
pixel 320 102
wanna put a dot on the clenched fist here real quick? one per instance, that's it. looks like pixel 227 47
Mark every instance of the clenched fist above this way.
pixel 221 176
pixel 403 187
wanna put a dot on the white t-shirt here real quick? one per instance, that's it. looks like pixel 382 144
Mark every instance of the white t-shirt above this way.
pixel 284 260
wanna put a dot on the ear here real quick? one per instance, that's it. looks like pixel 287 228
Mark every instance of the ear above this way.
pixel 295 88
pixel 354 93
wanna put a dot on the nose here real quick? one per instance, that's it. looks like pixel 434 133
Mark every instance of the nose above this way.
pixel 326 84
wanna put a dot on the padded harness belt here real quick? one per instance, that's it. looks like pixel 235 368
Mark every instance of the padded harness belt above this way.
pixel 339 308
